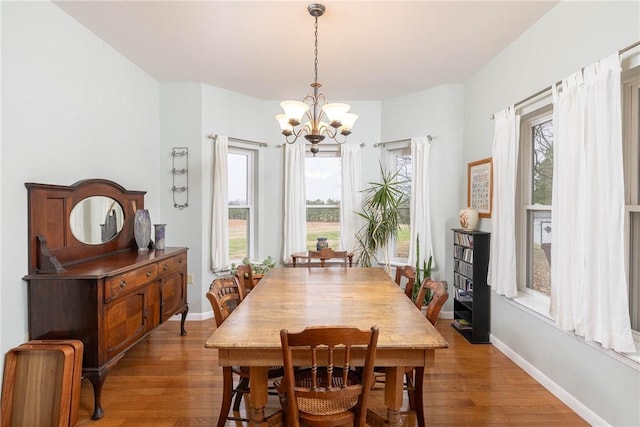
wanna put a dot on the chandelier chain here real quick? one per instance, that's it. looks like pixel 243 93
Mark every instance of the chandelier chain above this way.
pixel 316 51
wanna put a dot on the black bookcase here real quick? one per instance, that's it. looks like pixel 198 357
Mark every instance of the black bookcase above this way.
pixel 471 298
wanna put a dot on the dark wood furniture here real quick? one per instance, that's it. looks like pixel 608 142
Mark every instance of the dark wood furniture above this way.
pixel 328 393
pixel 407 272
pixel 415 376
pixel 224 295
pixel 307 256
pixel 471 299
pixel 107 295
pixel 246 281
pixel 439 295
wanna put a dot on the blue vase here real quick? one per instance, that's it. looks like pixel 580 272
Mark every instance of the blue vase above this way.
pixel 322 243
pixel 142 229
pixel 159 232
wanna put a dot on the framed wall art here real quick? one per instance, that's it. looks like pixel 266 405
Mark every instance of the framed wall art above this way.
pixel 480 186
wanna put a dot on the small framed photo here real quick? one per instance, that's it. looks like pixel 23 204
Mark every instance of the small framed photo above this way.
pixel 480 186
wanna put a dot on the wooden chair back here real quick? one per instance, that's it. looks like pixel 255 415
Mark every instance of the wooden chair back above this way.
pixel 224 294
pixel 329 392
pixel 328 254
pixel 439 297
pixel 244 274
pixel 407 272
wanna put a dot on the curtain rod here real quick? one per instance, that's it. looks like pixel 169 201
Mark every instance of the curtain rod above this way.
pixel 548 88
pixel 382 144
pixel 247 141
pixel 326 144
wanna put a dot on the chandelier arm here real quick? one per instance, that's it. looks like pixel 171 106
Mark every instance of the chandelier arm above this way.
pixel 335 138
pixel 296 134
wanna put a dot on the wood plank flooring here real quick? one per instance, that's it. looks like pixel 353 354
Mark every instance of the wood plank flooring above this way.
pixel 173 381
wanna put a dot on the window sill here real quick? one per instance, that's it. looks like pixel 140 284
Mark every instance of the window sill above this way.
pixel 538 306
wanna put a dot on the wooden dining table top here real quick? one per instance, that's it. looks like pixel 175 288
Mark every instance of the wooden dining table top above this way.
pixel 295 298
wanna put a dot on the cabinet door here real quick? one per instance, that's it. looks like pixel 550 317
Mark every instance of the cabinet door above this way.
pixel 126 320
pixel 173 291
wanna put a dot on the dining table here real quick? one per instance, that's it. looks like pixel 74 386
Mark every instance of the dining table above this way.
pixel 296 298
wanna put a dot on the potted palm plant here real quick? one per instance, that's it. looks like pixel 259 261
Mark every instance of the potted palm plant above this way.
pixel 382 214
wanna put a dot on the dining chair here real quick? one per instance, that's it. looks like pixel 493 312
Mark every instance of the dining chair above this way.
pixel 321 392
pixel 327 254
pixel 244 274
pixel 407 272
pixel 224 295
pixel 414 377
pixel 439 296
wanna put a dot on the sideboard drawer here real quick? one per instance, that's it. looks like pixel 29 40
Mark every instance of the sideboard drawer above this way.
pixel 129 281
pixel 172 264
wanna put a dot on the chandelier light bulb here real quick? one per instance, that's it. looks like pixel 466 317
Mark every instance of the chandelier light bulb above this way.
pixel 347 123
pixel 294 110
pixel 335 112
pixel 283 120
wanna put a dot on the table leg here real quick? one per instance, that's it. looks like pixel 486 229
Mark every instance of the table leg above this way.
pixel 258 395
pixel 393 384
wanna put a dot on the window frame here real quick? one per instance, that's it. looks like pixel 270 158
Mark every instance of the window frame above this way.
pixel 391 152
pixel 525 209
pixel 631 151
pixel 251 198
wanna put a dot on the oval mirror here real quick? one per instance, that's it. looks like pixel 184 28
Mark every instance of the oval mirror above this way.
pixel 96 220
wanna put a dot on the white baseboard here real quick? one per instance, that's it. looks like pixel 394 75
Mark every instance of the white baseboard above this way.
pixel 445 315
pixel 193 316
pixel 578 407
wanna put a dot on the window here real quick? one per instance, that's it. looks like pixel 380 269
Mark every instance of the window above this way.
pixel 401 162
pixel 323 184
pixel 631 141
pixel 241 213
pixel 536 184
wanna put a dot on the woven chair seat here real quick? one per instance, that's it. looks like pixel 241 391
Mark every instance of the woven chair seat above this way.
pixel 272 371
pixel 320 406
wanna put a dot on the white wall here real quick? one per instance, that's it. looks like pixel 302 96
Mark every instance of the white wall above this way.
pixel 570 36
pixel 72 108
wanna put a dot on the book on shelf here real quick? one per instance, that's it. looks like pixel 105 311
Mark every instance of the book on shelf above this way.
pixel 462 295
pixel 462 324
pixel 462 282
pixel 464 239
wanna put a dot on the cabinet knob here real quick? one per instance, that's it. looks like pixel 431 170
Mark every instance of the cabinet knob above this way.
pixel 165 266
pixel 122 283
pixel 148 273
pixel 179 260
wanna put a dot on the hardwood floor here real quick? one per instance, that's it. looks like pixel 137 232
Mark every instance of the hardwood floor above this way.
pixel 173 381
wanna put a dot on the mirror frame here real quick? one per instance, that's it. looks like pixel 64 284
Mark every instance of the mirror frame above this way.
pixel 52 246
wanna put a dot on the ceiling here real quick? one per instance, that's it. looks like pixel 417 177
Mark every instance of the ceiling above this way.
pixel 367 50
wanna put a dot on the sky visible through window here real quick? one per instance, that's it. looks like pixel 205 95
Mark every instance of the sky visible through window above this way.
pixel 237 171
pixel 323 175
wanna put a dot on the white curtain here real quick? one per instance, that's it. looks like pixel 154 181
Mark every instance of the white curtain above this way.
pixel 350 223
pixel 502 262
pixel 589 290
pixel 295 213
pixel 420 203
pixel 220 205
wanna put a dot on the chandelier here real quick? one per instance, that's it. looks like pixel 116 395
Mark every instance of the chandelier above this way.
pixel 315 108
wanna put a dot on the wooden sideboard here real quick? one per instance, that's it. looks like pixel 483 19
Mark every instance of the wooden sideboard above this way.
pixel 110 299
